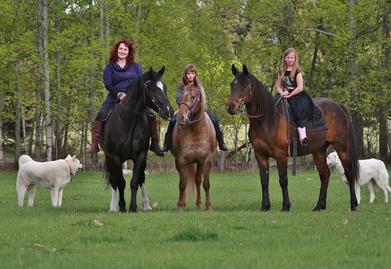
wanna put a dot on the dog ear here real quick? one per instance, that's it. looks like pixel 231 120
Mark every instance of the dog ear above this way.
pixel 68 156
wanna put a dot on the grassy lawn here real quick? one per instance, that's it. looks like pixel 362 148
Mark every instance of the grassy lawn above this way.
pixel 83 234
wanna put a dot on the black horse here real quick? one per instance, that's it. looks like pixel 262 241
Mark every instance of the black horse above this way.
pixel 269 134
pixel 126 133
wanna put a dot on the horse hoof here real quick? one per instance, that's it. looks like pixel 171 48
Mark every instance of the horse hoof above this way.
pixel 122 209
pixel 319 208
pixel 209 209
pixel 285 209
pixel 265 208
pixel 180 209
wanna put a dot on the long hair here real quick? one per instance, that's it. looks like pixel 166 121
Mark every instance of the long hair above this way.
pixel 295 68
pixel 113 53
pixel 196 81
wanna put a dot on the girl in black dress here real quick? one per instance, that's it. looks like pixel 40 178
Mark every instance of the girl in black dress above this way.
pixel 290 85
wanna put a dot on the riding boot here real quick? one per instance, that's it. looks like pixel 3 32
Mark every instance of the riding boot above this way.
pixel 302 135
pixel 96 130
pixel 168 136
pixel 219 136
pixel 220 140
pixel 154 137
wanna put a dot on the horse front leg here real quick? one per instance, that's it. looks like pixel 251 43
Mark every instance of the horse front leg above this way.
pixel 138 176
pixel 206 183
pixel 182 185
pixel 324 175
pixel 282 165
pixel 263 166
pixel 198 180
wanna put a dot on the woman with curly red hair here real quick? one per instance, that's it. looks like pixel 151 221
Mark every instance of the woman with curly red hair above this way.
pixel 118 74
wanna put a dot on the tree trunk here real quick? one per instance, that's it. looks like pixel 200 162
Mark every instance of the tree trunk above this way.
pixel 17 111
pixel 1 125
pixel 385 79
pixel 57 122
pixel 356 117
pixel 44 59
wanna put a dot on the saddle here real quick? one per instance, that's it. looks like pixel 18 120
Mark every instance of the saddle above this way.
pixel 315 121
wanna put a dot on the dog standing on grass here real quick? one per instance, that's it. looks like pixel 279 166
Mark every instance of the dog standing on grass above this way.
pixel 371 171
pixel 53 175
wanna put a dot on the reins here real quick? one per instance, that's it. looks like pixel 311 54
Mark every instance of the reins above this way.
pixel 146 89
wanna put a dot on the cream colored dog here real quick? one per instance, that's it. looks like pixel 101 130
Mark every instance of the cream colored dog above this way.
pixel 53 175
pixel 371 171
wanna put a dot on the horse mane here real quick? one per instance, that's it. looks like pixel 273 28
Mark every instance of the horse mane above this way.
pixel 263 100
pixel 137 83
pixel 201 89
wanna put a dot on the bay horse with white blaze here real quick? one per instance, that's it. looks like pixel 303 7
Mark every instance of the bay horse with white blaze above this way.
pixel 193 146
pixel 126 135
pixel 269 131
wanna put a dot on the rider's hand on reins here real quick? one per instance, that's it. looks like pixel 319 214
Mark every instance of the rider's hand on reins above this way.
pixel 121 95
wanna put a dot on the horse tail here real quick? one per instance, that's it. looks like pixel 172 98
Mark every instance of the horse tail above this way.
pixel 353 164
pixel 190 174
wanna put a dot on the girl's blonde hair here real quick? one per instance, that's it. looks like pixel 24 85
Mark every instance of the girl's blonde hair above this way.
pixel 295 68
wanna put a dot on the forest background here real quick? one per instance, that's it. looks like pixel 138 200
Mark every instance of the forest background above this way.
pixel 52 54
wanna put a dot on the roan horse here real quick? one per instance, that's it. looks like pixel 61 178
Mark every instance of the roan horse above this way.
pixel 126 135
pixel 268 134
pixel 193 146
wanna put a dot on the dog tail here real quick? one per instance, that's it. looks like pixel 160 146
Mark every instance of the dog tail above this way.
pixel 24 159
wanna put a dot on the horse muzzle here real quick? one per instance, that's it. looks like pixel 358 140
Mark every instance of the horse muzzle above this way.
pixel 232 109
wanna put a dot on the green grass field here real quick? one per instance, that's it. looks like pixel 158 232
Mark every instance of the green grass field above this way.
pixel 83 234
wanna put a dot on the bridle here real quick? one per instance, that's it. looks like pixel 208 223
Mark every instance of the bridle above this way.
pixel 242 107
pixel 191 108
pixel 152 113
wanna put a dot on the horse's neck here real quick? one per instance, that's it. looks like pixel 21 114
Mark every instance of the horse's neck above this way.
pixel 136 99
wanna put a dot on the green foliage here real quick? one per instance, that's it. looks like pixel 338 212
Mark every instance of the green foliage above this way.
pixel 210 34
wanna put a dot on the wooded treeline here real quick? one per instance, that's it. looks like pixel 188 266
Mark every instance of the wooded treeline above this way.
pixel 52 53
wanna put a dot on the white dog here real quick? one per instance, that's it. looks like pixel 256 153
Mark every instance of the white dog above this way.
pixel 371 170
pixel 53 175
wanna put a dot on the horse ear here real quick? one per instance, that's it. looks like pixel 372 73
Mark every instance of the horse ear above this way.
pixel 234 70
pixel 245 70
pixel 151 69
pixel 161 71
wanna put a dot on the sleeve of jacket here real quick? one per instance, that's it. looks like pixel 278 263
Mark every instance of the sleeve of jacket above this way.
pixel 178 95
pixel 107 80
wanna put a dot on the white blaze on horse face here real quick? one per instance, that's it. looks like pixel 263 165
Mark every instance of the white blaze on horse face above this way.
pixel 159 84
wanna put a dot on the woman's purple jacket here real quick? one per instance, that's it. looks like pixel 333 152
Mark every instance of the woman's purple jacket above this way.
pixel 117 79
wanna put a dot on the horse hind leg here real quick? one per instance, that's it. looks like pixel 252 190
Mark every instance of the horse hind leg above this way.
pixel 114 201
pixel 349 167
pixel 118 184
pixel 144 198
pixel 324 175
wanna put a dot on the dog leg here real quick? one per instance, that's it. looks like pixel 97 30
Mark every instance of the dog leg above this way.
pixel 358 193
pixel 371 191
pixel 114 201
pixel 21 190
pixel 54 196
pixel 384 189
pixel 59 202
pixel 31 191
pixel 145 200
